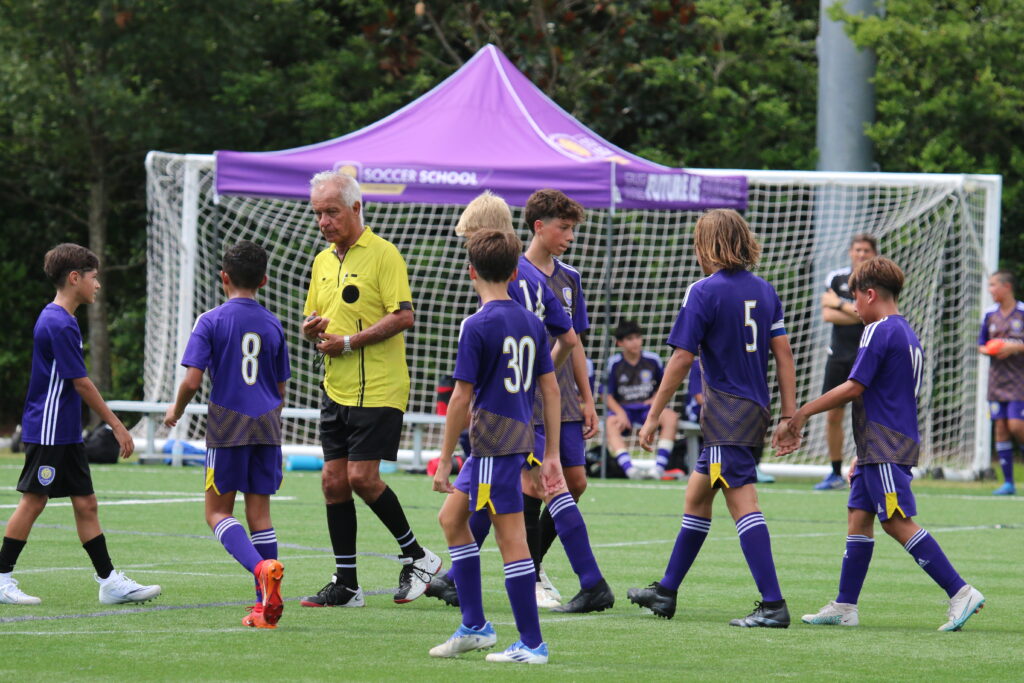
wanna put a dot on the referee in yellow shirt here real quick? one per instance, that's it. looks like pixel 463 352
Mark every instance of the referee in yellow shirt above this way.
pixel 358 305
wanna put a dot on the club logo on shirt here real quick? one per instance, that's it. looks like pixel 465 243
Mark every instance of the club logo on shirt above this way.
pixel 646 375
pixel 1017 325
pixel 46 475
pixel 567 298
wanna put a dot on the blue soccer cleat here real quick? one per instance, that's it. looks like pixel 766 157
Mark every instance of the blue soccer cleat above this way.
pixel 833 482
pixel 518 652
pixel 466 639
pixel 1007 489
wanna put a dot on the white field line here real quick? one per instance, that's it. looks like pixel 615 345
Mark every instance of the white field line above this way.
pixel 134 501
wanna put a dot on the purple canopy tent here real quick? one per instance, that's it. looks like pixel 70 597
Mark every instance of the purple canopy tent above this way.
pixel 484 127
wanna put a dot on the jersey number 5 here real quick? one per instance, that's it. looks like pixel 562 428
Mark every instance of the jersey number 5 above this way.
pixel 251 344
pixel 748 306
pixel 522 355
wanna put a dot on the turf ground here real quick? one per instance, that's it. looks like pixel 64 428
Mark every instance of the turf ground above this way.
pixel 153 519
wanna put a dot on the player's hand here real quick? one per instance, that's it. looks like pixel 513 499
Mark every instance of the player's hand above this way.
pixel 646 433
pixel 796 424
pixel 171 417
pixel 551 476
pixel 313 326
pixel 589 420
pixel 1009 349
pixel 853 466
pixel 331 344
pixel 441 477
pixel 783 440
pixel 124 440
pixel 830 299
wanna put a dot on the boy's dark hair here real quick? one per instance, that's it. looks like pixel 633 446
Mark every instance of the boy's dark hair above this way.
pixel 865 237
pixel 626 328
pixel 246 264
pixel 66 258
pixel 1006 277
pixel 545 205
pixel 877 273
pixel 494 254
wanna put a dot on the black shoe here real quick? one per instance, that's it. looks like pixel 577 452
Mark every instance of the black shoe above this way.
pixel 335 594
pixel 657 598
pixel 597 598
pixel 442 587
pixel 765 615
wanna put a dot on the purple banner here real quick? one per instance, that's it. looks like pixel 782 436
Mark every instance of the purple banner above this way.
pixel 677 189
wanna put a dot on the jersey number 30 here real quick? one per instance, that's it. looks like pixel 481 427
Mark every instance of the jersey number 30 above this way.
pixel 522 355
pixel 251 344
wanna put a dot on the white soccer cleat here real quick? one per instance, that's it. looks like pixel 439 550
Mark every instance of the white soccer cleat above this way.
pixel 466 639
pixel 10 594
pixel 635 473
pixel 118 589
pixel 416 575
pixel 547 595
pixel 834 614
pixel 518 653
pixel 967 602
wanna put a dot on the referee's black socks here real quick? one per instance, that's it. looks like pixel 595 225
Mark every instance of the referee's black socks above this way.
pixel 389 510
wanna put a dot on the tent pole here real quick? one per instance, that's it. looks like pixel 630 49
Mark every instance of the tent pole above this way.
pixel 609 235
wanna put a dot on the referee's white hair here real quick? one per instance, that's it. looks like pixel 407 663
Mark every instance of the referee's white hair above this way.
pixel 348 187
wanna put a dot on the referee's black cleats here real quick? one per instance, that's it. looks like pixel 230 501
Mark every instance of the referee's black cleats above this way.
pixel 597 598
pixel 335 594
pixel 765 615
pixel 442 587
pixel 657 598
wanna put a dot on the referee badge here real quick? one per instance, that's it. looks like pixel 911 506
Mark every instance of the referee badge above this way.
pixel 46 474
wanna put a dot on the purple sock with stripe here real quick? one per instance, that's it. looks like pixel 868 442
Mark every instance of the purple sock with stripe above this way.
pixel 688 543
pixel 519 584
pixel 856 559
pixel 624 461
pixel 232 536
pixel 465 571
pixel 265 542
pixel 757 548
pixel 572 531
pixel 1004 449
pixel 929 556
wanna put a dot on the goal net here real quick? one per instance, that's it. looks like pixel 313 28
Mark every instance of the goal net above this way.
pixel 942 230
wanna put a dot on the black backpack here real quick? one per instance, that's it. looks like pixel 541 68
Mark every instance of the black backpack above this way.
pixel 100 445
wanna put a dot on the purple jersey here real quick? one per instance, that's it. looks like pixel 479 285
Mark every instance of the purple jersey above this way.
pixel 242 344
pixel 530 289
pixel 729 318
pixel 567 287
pixel 628 383
pixel 1005 375
pixel 53 409
pixel 890 366
pixel 503 351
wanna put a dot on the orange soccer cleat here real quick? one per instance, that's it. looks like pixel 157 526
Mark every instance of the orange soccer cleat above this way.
pixel 269 574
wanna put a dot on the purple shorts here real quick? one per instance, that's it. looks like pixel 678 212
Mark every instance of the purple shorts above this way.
pixel 571 447
pixel 883 489
pixel 249 469
pixel 637 413
pixel 728 466
pixel 1006 410
pixel 494 483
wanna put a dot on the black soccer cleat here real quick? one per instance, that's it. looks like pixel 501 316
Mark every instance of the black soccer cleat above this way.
pixel 765 615
pixel 597 598
pixel 442 587
pixel 657 598
pixel 335 594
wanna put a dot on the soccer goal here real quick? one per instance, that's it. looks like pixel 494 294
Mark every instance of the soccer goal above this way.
pixel 941 229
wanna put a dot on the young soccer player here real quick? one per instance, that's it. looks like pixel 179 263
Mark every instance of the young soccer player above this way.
pixel 553 218
pixel 631 379
pixel 735 319
pixel 502 356
pixel 1005 321
pixel 883 387
pixel 529 288
pixel 243 346
pixel 55 463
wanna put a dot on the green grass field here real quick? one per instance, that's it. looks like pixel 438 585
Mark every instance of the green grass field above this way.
pixel 153 518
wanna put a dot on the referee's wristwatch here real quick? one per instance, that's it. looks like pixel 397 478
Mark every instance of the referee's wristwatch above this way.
pixel 348 344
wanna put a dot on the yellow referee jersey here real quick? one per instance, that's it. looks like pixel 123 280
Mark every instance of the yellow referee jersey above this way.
pixel 354 293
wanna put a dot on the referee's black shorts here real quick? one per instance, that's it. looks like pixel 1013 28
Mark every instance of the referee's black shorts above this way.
pixel 56 471
pixel 359 433
pixel 836 372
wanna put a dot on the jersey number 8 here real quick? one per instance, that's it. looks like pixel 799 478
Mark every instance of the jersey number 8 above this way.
pixel 251 344
pixel 522 355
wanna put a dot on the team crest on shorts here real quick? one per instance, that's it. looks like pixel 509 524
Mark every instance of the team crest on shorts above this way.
pixel 46 475
pixel 993 407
